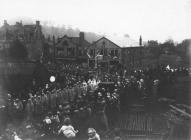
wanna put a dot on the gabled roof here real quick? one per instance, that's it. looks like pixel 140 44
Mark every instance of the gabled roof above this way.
pixel 75 40
pixel 106 39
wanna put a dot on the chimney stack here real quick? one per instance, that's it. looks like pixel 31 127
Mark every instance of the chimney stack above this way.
pixel 38 22
pixel 53 39
pixel 140 41
pixel 81 36
pixel 5 22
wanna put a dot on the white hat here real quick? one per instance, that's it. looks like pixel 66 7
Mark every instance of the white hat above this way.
pixel 91 130
pixel 99 94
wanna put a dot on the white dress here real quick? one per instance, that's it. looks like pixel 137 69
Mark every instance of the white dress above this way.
pixel 68 131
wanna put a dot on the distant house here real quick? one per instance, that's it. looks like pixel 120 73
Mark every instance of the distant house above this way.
pixel 104 47
pixel 72 48
pixel 25 33
pixel 141 56
pixel 30 35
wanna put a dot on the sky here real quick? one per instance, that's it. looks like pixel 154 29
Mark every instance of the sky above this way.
pixel 119 20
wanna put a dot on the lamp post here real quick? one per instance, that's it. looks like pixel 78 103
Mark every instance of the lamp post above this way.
pixel 52 79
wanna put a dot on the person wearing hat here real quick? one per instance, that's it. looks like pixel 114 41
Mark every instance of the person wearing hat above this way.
pixel 92 134
pixel 38 106
pixel 29 109
pixel 55 122
pixel 65 95
pixel 59 97
pixel 53 100
pixel 64 111
pixel 9 96
pixel 49 99
pixel 10 109
pixel 3 119
pixel 67 109
pixel 101 114
pixel 61 112
pixel 155 89
pixel 47 124
pixel 44 100
pixel 18 108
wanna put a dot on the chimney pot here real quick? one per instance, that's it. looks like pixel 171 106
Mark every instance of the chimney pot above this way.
pixel 37 22
pixel 81 36
pixel 140 41
pixel 5 22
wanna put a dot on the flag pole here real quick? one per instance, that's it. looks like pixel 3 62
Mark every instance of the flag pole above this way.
pixel 88 63
pixel 95 62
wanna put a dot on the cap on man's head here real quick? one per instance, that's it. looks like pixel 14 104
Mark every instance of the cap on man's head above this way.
pixel 99 94
pixel 91 130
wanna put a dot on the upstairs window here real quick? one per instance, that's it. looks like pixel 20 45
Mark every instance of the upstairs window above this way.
pixel 80 52
pixel 105 52
pixel 101 52
pixel 116 53
pixel 65 43
pixel 70 52
pixel 112 53
pixel 91 52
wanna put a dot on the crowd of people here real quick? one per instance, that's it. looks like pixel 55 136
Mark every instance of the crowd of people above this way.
pixel 81 101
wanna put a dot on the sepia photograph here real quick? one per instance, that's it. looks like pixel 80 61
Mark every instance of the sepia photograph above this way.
pixel 95 69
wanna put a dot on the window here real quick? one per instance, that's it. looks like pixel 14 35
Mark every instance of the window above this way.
pixel 91 52
pixel 80 52
pixel 65 43
pixel 73 52
pixel 60 53
pixel 101 52
pixel 105 52
pixel 116 53
pixel 112 53
pixel 70 52
pixel 94 52
pixel 60 49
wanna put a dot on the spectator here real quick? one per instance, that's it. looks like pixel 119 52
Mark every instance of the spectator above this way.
pixel 92 134
pixel 67 129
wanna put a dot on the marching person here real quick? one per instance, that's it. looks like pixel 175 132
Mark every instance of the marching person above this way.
pixel 53 100
pixel 101 114
pixel 47 124
pixel 44 99
pixel 29 109
pixel 155 89
pixel 38 107
pixel 18 108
